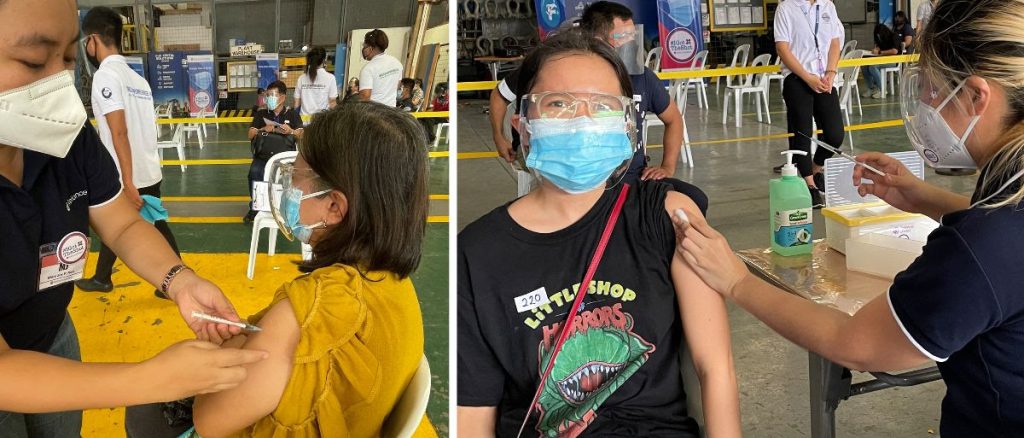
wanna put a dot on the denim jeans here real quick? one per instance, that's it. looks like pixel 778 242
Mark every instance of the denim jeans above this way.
pixel 873 75
pixel 54 425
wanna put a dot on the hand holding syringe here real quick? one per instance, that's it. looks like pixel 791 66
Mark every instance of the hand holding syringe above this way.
pixel 247 327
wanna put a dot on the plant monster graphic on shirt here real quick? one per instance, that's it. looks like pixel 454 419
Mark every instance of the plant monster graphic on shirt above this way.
pixel 600 354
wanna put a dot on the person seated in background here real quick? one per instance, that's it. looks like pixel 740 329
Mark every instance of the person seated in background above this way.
pixel 352 92
pixel 440 102
pixel 279 135
pixel 345 338
pixel 405 93
pixel 904 31
pixel 886 44
pixel 417 93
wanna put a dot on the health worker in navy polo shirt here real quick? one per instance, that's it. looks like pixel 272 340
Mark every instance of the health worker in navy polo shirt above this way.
pixel 961 303
pixel 56 180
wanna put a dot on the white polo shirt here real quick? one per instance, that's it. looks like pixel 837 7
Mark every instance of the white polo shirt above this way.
pixel 115 86
pixel 795 22
pixel 382 75
pixel 924 13
pixel 316 94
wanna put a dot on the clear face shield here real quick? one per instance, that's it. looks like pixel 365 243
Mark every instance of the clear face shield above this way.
pixel 628 46
pixel 921 104
pixel 286 198
pixel 578 141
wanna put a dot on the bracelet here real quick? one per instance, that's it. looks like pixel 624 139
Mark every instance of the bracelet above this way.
pixel 831 71
pixel 170 277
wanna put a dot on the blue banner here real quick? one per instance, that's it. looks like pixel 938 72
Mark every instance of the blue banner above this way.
pixel 886 12
pixel 551 14
pixel 136 64
pixel 202 84
pixel 681 32
pixel 267 65
pixel 340 57
pixel 167 78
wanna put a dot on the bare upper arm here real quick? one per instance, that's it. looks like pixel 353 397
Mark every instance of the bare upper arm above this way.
pixel 703 312
pixel 477 421
pixel 113 218
pixel 365 93
pixel 227 412
pixel 671 114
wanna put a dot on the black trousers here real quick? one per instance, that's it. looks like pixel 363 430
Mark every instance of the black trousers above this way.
pixel 105 264
pixel 803 107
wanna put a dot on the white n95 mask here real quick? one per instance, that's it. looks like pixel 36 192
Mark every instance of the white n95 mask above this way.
pixel 929 133
pixel 44 116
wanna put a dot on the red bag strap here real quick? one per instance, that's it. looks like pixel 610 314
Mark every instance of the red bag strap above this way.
pixel 563 334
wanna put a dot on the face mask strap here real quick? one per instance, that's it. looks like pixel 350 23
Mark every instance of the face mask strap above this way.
pixel 1010 181
pixel 313 195
pixel 952 94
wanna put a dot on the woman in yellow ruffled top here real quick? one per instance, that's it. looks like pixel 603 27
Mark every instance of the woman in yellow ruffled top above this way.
pixel 346 338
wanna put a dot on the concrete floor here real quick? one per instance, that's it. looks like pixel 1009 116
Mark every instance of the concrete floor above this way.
pixel 772 372
pixel 206 203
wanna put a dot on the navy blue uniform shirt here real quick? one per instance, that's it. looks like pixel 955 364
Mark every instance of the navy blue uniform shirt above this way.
pixel 961 303
pixel 52 202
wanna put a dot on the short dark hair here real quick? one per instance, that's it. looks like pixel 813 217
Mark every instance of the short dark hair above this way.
pixel 599 17
pixel 377 39
pixel 407 82
pixel 104 22
pixel 377 156
pixel 572 41
pixel 281 88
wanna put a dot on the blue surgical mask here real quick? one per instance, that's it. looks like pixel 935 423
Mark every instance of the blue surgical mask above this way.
pixel 272 102
pixel 291 199
pixel 579 154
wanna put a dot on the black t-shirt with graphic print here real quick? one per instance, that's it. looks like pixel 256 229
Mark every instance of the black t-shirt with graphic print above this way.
pixel 618 373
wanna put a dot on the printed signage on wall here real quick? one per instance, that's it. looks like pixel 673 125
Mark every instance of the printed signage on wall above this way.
pixel 267 66
pixel 201 84
pixel 737 15
pixel 680 30
pixel 167 78
pixel 555 14
pixel 136 64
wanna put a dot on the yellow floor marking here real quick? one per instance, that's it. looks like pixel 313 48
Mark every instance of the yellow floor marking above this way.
pixel 130 324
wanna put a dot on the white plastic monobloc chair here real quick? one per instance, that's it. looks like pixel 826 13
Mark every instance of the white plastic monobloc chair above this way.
pixel 265 219
pixel 441 128
pixel 847 48
pixel 701 89
pixel 176 142
pixel 756 84
pixel 739 59
pixel 849 88
pixel 405 417
pixel 653 60
pixel 210 114
pixel 777 76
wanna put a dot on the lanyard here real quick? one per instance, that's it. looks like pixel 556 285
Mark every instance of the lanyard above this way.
pixel 817 24
pixel 613 217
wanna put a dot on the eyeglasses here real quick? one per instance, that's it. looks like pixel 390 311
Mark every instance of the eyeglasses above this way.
pixel 625 36
pixel 561 105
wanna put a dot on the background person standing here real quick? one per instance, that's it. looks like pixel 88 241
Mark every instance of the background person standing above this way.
pixel 378 81
pixel 808 37
pixel 126 120
pixel 316 89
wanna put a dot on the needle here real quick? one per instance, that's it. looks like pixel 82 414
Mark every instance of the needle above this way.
pixel 241 325
pixel 842 154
